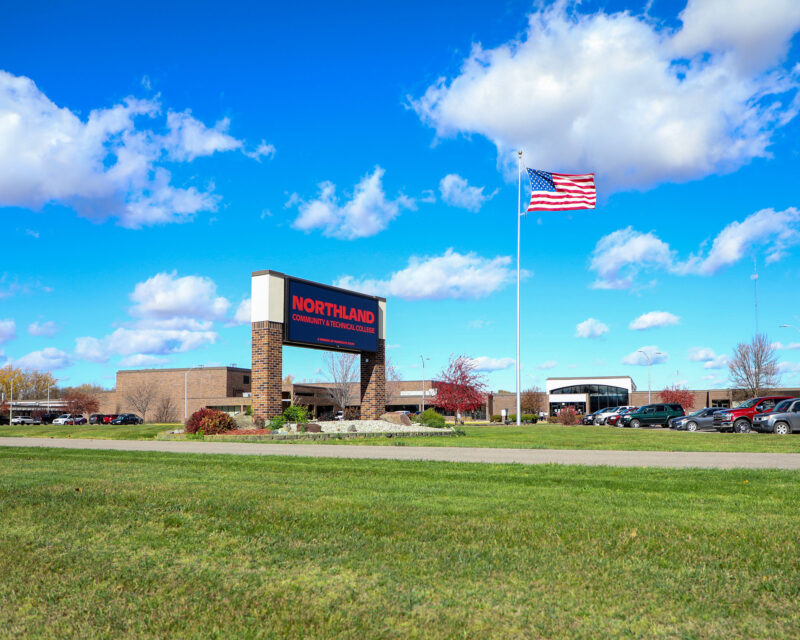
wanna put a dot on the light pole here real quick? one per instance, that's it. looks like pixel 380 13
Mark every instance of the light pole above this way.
pixel 789 326
pixel 48 396
pixel 649 362
pixel 423 380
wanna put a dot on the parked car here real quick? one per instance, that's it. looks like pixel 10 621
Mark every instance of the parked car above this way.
pixel 603 417
pixel 3 419
pixel 96 418
pixel 589 417
pixel 109 417
pixel 25 420
pixel 652 414
pixel 66 418
pixel 47 418
pixel 127 418
pixel 783 419
pixel 696 421
pixel 740 418
pixel 614 419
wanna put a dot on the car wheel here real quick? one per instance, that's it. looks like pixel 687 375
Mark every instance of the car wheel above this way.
pixel 741 426
pixel 635 424
pixel 782 428
pixel 691 426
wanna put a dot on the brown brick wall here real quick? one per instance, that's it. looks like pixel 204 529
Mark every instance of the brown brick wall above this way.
pixel 267 369
pixel 373 382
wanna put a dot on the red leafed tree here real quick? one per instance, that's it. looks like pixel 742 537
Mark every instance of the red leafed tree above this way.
pixel 459 387
pixel 679 395
pixel 78 403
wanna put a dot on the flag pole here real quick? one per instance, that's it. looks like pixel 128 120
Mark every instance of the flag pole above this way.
pixel 519 206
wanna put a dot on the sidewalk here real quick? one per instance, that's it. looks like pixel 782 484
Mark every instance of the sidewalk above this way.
pixel 675 460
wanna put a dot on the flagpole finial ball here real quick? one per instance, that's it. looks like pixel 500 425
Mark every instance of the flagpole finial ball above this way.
pixel 520 153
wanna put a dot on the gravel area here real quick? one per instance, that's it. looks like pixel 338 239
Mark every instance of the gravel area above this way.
pixel 371 426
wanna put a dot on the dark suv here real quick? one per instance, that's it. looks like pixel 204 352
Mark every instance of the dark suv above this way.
pixel 96 418
pixel 127 418
pixel 651 414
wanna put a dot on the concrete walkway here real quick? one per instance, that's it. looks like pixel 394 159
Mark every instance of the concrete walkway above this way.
pixel 675 460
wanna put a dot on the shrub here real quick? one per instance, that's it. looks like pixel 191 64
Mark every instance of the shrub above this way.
pixel 296 413
pixel 249 410
pixel 430 418
pixel 351 413
pixel 210 421
pixel 258 422
pixel 276 422
pixel 496 418
pixel 567 416
pixel 526 418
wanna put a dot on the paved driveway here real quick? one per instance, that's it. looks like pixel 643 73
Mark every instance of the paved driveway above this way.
pixel 677 460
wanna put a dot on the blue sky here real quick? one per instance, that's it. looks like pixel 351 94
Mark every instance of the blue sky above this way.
pixel 152 156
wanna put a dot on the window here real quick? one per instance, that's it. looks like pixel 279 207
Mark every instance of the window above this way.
pixel 796 407
pixel 246 380
pixel 767 405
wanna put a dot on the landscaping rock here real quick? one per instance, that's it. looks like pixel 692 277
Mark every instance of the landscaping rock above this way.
pixel 397 417
pixel 313 427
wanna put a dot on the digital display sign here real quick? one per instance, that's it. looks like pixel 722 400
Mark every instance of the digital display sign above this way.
pixel 330 318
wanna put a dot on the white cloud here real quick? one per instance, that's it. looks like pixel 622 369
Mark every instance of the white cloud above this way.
pixel 653 319
pixel 142 341
pixel 368 211
pixel 550 364
pixel 755 34
pixel 619 257
pixel 590 328
pixel 789 346
pixel 789 367
pixel 105 166
pixel 242 315
pixel 775 231
pixel 701 354
pixel 48 329
pixel 451 275
pixel 166 296
pixel 479 324
pixel 141 360
pixel 45 360
pixel 617 94
pixel 457 192
pixel 8 330
pixel 485 363
pixel 639 359
pixel 719 362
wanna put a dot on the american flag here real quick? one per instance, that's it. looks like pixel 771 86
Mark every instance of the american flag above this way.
pixel 561 191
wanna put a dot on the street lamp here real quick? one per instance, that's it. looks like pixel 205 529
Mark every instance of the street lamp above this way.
pixel 789 326
pixel 649 362
pixel 423 380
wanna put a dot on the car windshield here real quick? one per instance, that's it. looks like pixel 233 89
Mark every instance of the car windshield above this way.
pixel 783 405
pixel 747 404
pixel 699 412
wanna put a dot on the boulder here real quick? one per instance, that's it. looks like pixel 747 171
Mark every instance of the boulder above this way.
pixel 313 427
pixel 397 417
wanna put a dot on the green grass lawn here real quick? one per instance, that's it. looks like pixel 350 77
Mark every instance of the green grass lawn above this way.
pixel 541 436
pixel 102 431
pixel 113 544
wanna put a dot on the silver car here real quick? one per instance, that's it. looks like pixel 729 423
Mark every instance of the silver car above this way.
pixel 700 419
pixel 782 420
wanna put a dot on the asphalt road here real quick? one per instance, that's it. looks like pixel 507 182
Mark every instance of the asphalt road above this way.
pixel 675 460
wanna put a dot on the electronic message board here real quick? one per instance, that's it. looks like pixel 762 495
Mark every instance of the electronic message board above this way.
pixel 329 318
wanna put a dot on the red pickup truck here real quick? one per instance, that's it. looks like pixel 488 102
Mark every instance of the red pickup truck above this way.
pixel 740 418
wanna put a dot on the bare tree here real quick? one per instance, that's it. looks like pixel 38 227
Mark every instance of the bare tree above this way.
pixel 165 410
pixel 344 371
pixel 754 366
pixel 532 400
pixel 393 379
pixel 141 397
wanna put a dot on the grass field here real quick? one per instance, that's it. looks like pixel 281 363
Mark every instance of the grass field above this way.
pixel 112 544
pixel 526 437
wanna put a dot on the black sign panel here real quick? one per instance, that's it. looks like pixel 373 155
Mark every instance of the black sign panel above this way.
pixel 329 318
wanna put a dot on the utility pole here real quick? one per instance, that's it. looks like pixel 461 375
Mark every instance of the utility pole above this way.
pixel 649 362
pixel 423 381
